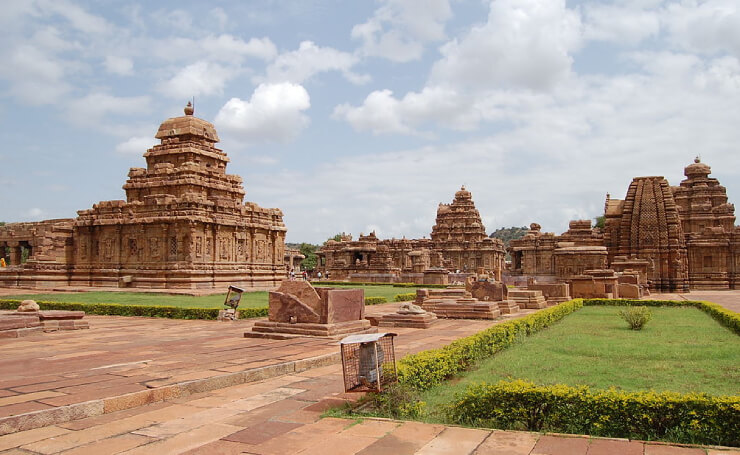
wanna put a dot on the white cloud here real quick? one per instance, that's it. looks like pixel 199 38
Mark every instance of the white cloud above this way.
pixel 624 24
pixel 35 77
pixel 709 26
pixel 34 213
pixel 399 29
pixel 77 17
pixel 308 60
pixel 223 48
pixel 273 113
pixel 136 145
pixel 119 65
pixel 381 113
pixel 525 43
pixel 199 78
pixel 93 107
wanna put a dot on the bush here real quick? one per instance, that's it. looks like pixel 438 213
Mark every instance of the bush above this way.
pixel 114 309
pixel 375 300
pixel 405 297
pixel 636 316
pixel 522 405
pixel 398 401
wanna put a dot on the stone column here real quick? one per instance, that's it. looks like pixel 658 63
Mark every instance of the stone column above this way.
pixel 15 255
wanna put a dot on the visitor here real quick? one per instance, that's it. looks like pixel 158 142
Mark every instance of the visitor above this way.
pixel 319 275
pixel 305 276
pixel 292 274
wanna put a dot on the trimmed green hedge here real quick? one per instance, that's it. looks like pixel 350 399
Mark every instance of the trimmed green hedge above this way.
pixel 726 317
pixel 405 297
pixel 522 405
pixel 114 309
pixel 375 300
pixel 430 368
pixel 395 285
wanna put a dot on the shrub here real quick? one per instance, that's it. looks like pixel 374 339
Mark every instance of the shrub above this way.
pixel 636 316
pixel 397 401
pixel 114 309
pixel 522 405
pixel 375 300
pixel 404 297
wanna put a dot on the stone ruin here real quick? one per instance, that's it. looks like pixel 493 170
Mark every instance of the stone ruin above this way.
pixel 184 224
pixel 660 238
pixel 29 319
pixel 408 315
pixel 298 309
pixel 458 242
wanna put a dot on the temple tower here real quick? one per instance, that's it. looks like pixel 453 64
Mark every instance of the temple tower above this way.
pixel 646 225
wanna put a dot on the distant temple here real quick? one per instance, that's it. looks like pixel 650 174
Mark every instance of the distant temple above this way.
pixel 458 243
pixel 678 238
pixel 184 224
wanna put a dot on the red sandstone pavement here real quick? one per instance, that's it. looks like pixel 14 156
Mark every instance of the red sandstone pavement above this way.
pixel 132 357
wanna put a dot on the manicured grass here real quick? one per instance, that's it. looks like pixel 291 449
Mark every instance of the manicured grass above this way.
pixel 257 299
pixel 680 349
pixel 389 292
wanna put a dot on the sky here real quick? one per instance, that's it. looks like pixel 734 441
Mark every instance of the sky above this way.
pixel 354 116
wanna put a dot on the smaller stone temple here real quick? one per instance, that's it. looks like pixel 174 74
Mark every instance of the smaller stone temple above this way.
pixel 458 243
pixel 659 237
pixel 184 224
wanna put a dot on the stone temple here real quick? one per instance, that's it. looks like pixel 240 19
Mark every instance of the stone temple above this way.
pixel 458 243
pixel 184 224
pixel 676 237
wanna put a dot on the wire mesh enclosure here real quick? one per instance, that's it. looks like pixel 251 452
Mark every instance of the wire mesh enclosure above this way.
pixel 368 361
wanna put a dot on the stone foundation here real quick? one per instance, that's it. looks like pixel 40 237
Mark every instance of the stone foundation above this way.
pixel 414 321
pixel 286 330
pixel 528 299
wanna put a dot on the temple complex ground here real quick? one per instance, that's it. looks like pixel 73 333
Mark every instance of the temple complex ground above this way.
pixel 140 385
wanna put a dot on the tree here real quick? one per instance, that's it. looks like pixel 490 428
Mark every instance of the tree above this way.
pixel 600 221
pixel 509 234
pixel 309 250
pixel 336 238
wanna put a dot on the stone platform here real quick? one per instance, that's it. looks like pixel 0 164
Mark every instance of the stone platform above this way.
pixel 17 324
pixel 463 309
pixel 416 321
pixel 286 330
pixel 528 299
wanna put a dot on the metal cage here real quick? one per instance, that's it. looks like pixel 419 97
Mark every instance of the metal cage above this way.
pixel 368 362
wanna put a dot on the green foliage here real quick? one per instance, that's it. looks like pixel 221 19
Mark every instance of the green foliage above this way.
pixel 636 316
pixel 521 405
pixel 404 297
pixel 375 300
pixel 429 368
pixel 398 401
pixel 308 250
pixel 600 221
pixel 113 309
pixel 335 237
pixel 395 285
pixel 727 318
pixel 508 234
pixel 255 299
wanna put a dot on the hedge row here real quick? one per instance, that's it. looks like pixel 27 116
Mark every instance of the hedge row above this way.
pixel 359 283
pixel 375 300
pixel 430 368
pixel 522 405
pixel 727 318
pixel 114 309
pixel 405 297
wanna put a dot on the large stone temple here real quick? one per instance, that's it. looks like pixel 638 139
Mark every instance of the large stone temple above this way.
pixel 678 237
pixel 184 224
pixel 458 243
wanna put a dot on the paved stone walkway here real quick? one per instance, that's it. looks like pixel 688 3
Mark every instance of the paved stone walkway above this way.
pixel 119 363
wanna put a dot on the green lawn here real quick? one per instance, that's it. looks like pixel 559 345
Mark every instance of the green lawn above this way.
pixel 680 349
pixel 255 299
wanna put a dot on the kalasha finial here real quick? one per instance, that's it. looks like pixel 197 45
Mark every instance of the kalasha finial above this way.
pixel 697 160
pixel 189 109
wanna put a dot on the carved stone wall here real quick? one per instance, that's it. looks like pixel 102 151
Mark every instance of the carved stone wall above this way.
pixel 184 223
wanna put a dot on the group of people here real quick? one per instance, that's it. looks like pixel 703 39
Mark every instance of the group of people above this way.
pixel 304 275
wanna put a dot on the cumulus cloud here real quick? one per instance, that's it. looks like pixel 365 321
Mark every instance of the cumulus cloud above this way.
pixel 119 65
pixel 524 44
pixel 706 27
pixel 273 113
pixel 223 48
pixel 36 77
pixel 310 59
pixel 623 24
pixel 199 78
pixel 94 106
pixel 136 145
pixel 382 113
pixel 399 29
